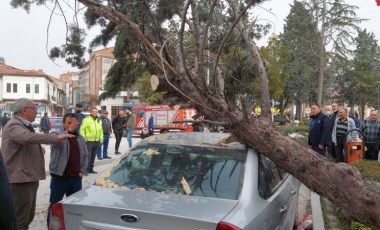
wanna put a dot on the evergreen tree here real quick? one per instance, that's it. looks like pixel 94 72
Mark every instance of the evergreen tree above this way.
pixel 338 23
pixel 365 75
pixel 300 38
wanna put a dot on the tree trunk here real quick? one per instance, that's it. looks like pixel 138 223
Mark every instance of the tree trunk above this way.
pixel 322 57
pixel 340 183
pixel 299 109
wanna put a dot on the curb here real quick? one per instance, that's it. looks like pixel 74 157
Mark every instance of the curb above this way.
pixel 316 211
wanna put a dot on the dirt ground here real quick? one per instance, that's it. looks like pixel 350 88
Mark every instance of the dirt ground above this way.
pixel 304 202
pixel 304 208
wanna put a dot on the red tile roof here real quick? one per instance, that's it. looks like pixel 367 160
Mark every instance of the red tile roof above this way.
pixel 9 70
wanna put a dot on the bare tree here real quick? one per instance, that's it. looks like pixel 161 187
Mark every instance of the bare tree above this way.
pixel 186 75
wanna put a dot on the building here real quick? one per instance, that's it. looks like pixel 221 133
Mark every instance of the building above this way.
pixel 71 89
pixel 36 85
pixel 91 78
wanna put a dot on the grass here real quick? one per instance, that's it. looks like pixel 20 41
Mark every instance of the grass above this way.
pixel 324 213
pixel 371 171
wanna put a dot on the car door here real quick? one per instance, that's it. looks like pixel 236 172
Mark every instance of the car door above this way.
pixel 278 194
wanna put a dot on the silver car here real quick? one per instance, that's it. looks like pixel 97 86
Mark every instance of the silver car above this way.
pixel 185 181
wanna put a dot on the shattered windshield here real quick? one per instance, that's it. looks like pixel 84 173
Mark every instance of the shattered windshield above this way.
pixel 191 170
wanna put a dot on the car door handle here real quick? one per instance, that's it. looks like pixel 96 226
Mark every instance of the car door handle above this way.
pixel 283 210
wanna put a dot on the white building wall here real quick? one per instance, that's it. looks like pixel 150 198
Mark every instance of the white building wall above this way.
pixel 22 82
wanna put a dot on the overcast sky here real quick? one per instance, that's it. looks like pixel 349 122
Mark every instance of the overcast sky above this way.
pixel 23 36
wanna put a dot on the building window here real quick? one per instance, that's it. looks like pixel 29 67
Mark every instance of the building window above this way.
pixel 27 88
pixel 14 88
pixel 36 88
pixel 8 87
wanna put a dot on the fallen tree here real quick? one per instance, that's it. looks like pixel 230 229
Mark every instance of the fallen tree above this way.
pixel 186 75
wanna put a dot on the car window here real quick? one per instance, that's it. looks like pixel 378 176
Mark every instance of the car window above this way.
pixel 192 170
pixel 264 190
pixel 283 173
pixel 269 177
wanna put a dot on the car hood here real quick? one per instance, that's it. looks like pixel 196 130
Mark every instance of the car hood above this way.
pixel 99 207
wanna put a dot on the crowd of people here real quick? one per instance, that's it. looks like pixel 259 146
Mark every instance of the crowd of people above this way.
pixel 73 153
pixel 331 129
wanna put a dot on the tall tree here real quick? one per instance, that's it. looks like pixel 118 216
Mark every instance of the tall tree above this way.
pixel 365 76
pixel 337 22
pixel 184 71
pixel 300 39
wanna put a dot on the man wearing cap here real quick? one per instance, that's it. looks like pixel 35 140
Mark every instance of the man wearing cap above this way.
pixel 107 130
pixel 80 115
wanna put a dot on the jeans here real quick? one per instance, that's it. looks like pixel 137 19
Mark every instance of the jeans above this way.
pixel 60 186
pixel 151 131
pixel 129 137
pixel 106 140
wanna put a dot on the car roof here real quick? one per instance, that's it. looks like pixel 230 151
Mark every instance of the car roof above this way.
pixel 225 140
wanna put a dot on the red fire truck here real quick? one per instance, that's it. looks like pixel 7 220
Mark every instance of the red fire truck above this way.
pixel 163 116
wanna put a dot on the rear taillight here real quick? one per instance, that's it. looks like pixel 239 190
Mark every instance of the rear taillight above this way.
pixel 226 226
pixel 57 221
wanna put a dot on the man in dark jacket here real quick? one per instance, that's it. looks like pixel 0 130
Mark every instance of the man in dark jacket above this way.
pixel 80 115
pixel 118 126
pixel 4 120
pixel 333 117
pixel 45 124
pixel 319 131
pixel 107 130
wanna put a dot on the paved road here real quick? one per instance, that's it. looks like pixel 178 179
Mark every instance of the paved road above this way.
pixel 43 193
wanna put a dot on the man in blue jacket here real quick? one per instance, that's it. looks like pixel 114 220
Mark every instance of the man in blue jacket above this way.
pixel 319 131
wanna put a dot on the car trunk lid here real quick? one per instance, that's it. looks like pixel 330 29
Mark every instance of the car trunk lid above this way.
pixel 110 208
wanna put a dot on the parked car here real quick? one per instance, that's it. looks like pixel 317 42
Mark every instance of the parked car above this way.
pixel 56 124
pixel 185 181
pixel 37 121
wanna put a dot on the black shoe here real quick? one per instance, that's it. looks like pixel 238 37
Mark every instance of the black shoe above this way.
pixel 117 152
pixel 99 158
pixel 107 157
pixel 92 171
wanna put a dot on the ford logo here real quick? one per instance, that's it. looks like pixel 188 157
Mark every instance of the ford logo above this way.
pixel 129 218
